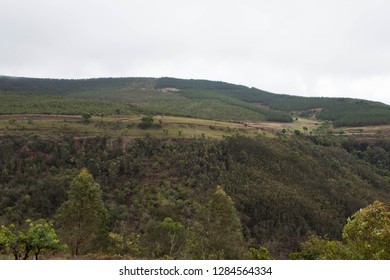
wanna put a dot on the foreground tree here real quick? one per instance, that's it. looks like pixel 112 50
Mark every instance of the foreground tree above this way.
pixel 9 241
pixel 40 236
pixel 82 218
pixel 367 233
pixel 366 236
pixel 317 248
pixel 218 233
pixel 258 254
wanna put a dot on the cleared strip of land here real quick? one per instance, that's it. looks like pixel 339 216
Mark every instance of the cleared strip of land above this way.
pixel 164 126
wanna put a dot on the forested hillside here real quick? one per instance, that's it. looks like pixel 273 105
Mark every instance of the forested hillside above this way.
pixel 190 98
pixel 282 190
pixel 114 168
pixel 341 111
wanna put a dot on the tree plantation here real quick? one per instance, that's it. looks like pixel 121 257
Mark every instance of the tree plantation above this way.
pixel 178 97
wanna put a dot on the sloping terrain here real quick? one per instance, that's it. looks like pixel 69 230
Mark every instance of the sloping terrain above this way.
pixel 283 189
pixel 286 173
pixel 191 98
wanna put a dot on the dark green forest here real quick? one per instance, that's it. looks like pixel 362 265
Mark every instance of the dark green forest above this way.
pixel 281 191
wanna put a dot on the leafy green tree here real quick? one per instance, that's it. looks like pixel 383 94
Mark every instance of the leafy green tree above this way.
pixel 146 122
pixel 86 117
pixel 175 233
pixel 218 233
pixel 367 232
pixel 82 218
pixel 128 244
pixel 165 239
pixel 9 241
pixel 366 236
pixel 259 254
pixel 317 248
pixel 39 236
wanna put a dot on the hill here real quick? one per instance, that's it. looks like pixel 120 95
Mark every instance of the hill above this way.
pixel 190 98
pixel 283 189
pixel 227 183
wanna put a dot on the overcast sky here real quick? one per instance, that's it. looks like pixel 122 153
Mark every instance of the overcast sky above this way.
pixel 304 47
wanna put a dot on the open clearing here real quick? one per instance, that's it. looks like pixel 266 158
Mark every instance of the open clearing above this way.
pixel 275 127
pixel 168 126
pixel 116 126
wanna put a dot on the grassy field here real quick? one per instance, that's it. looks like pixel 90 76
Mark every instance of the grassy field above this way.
pixel 379 130
pixel 166 127
pixel 300 124
pixel 117 126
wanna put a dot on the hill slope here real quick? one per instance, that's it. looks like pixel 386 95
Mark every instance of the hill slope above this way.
pixel 191 98
pixel 284 187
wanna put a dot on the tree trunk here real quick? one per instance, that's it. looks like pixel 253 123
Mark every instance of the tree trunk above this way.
pixel 37 253
pixel 77 248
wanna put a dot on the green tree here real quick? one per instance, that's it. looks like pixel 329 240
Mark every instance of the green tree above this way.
pixel 175 234
pixel 317 248
pixel 9 241
pixel 367 233
pixel 218 233
pixel 82 218
pixel 261 254
pixel 366 236
pixel 146 122
pixel 86 117
pixel 165 239
pixel 39 236
pixel 128 244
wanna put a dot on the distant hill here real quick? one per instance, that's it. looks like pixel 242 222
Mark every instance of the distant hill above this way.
pixel 191 98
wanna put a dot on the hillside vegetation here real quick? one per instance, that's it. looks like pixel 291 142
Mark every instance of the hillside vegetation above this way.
pixel 283 190
pixel 115 168
pixel 190 98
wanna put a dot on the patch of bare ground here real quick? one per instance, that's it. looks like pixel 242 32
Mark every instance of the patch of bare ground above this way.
pixel 278 126
pixel 368 131
pixel 165 90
